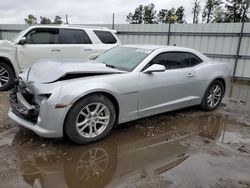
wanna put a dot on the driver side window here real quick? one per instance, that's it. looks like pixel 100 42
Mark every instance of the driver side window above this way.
pixel 172 60
pixel 43 36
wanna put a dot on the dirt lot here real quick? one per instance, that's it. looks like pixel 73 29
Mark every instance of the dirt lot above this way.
pixel 185 148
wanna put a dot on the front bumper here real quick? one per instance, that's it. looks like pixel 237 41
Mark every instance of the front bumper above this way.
pixel 35 127
pixel 22 108
pixel 43 118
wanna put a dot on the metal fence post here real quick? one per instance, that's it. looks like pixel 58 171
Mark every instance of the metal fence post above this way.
pixel 238 50
pixel 169 31
pixel 113 21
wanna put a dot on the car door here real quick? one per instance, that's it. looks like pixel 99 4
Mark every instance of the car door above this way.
pixel 40 43
pixel 172 89
pixel 76 44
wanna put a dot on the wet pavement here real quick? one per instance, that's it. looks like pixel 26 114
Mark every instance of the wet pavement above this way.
pixel 185 148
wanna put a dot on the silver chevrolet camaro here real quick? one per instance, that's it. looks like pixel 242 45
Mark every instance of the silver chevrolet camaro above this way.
pixel 83 100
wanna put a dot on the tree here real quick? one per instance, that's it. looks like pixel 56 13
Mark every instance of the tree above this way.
pixel 149 14
pixel 196 11
pixel 219 15
pixel 236 10
pixel 143 14
pixel 245 11
pixel 208 12
pixel 170 14
pixel 137 16
pixel 31 19
pixel 45 20
pixel 166 16
pixel 162 16
pixel 57 20
pixel 180 15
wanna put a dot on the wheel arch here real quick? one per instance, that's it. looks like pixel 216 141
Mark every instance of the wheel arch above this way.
pixel 203 104
pixel 106 94
pixel 8 62
pixel 110 97
pixel 222 81
pixel 209 83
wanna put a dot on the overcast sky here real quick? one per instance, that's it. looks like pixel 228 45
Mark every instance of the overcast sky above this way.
pixel 81 11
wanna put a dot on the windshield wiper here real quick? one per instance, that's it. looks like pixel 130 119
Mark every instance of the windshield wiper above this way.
pixel 110 66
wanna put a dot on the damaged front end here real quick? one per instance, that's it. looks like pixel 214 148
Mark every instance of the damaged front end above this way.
pixel 23 103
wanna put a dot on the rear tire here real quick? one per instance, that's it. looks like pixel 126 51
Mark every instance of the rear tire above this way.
pixel 90 119
pixel 7 77
pixel 213 96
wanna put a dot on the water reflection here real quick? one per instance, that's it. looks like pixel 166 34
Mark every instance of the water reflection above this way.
pixel 158 143
pixel 92 164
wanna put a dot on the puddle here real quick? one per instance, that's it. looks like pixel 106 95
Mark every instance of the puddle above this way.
pixel 126 153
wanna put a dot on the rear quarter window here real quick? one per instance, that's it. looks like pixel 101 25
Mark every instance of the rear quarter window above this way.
pixel 106 37
pixel 194 60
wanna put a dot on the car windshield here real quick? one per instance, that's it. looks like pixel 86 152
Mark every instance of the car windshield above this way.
pixel 18 35
pixel 123 58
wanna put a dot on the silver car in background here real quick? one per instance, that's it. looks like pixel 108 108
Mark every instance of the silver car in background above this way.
pixel 83 100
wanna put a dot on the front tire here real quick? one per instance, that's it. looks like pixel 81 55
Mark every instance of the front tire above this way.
pixel 7 77
pixel 213 96
pixel 90 119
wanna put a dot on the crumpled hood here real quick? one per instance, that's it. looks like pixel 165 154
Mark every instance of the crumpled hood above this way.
pixel 47 71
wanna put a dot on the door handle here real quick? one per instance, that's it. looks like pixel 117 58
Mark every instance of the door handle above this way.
pixel 189 75
pixel 55 50
pixel 88 49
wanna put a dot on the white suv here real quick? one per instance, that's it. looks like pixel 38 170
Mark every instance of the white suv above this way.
pixel 53 42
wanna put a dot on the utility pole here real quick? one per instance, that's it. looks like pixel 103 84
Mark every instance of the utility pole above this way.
pixel 67 22
pixel 113 21
pixel 171 18
pixel 169 30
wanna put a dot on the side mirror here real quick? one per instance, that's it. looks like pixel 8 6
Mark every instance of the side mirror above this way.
pixel 93 56
pixel 22 41
pixel 154 68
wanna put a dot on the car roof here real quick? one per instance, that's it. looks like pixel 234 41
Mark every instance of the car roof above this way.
pixel 168 48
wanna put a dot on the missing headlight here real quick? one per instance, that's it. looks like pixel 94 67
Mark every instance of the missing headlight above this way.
pixel 47 95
